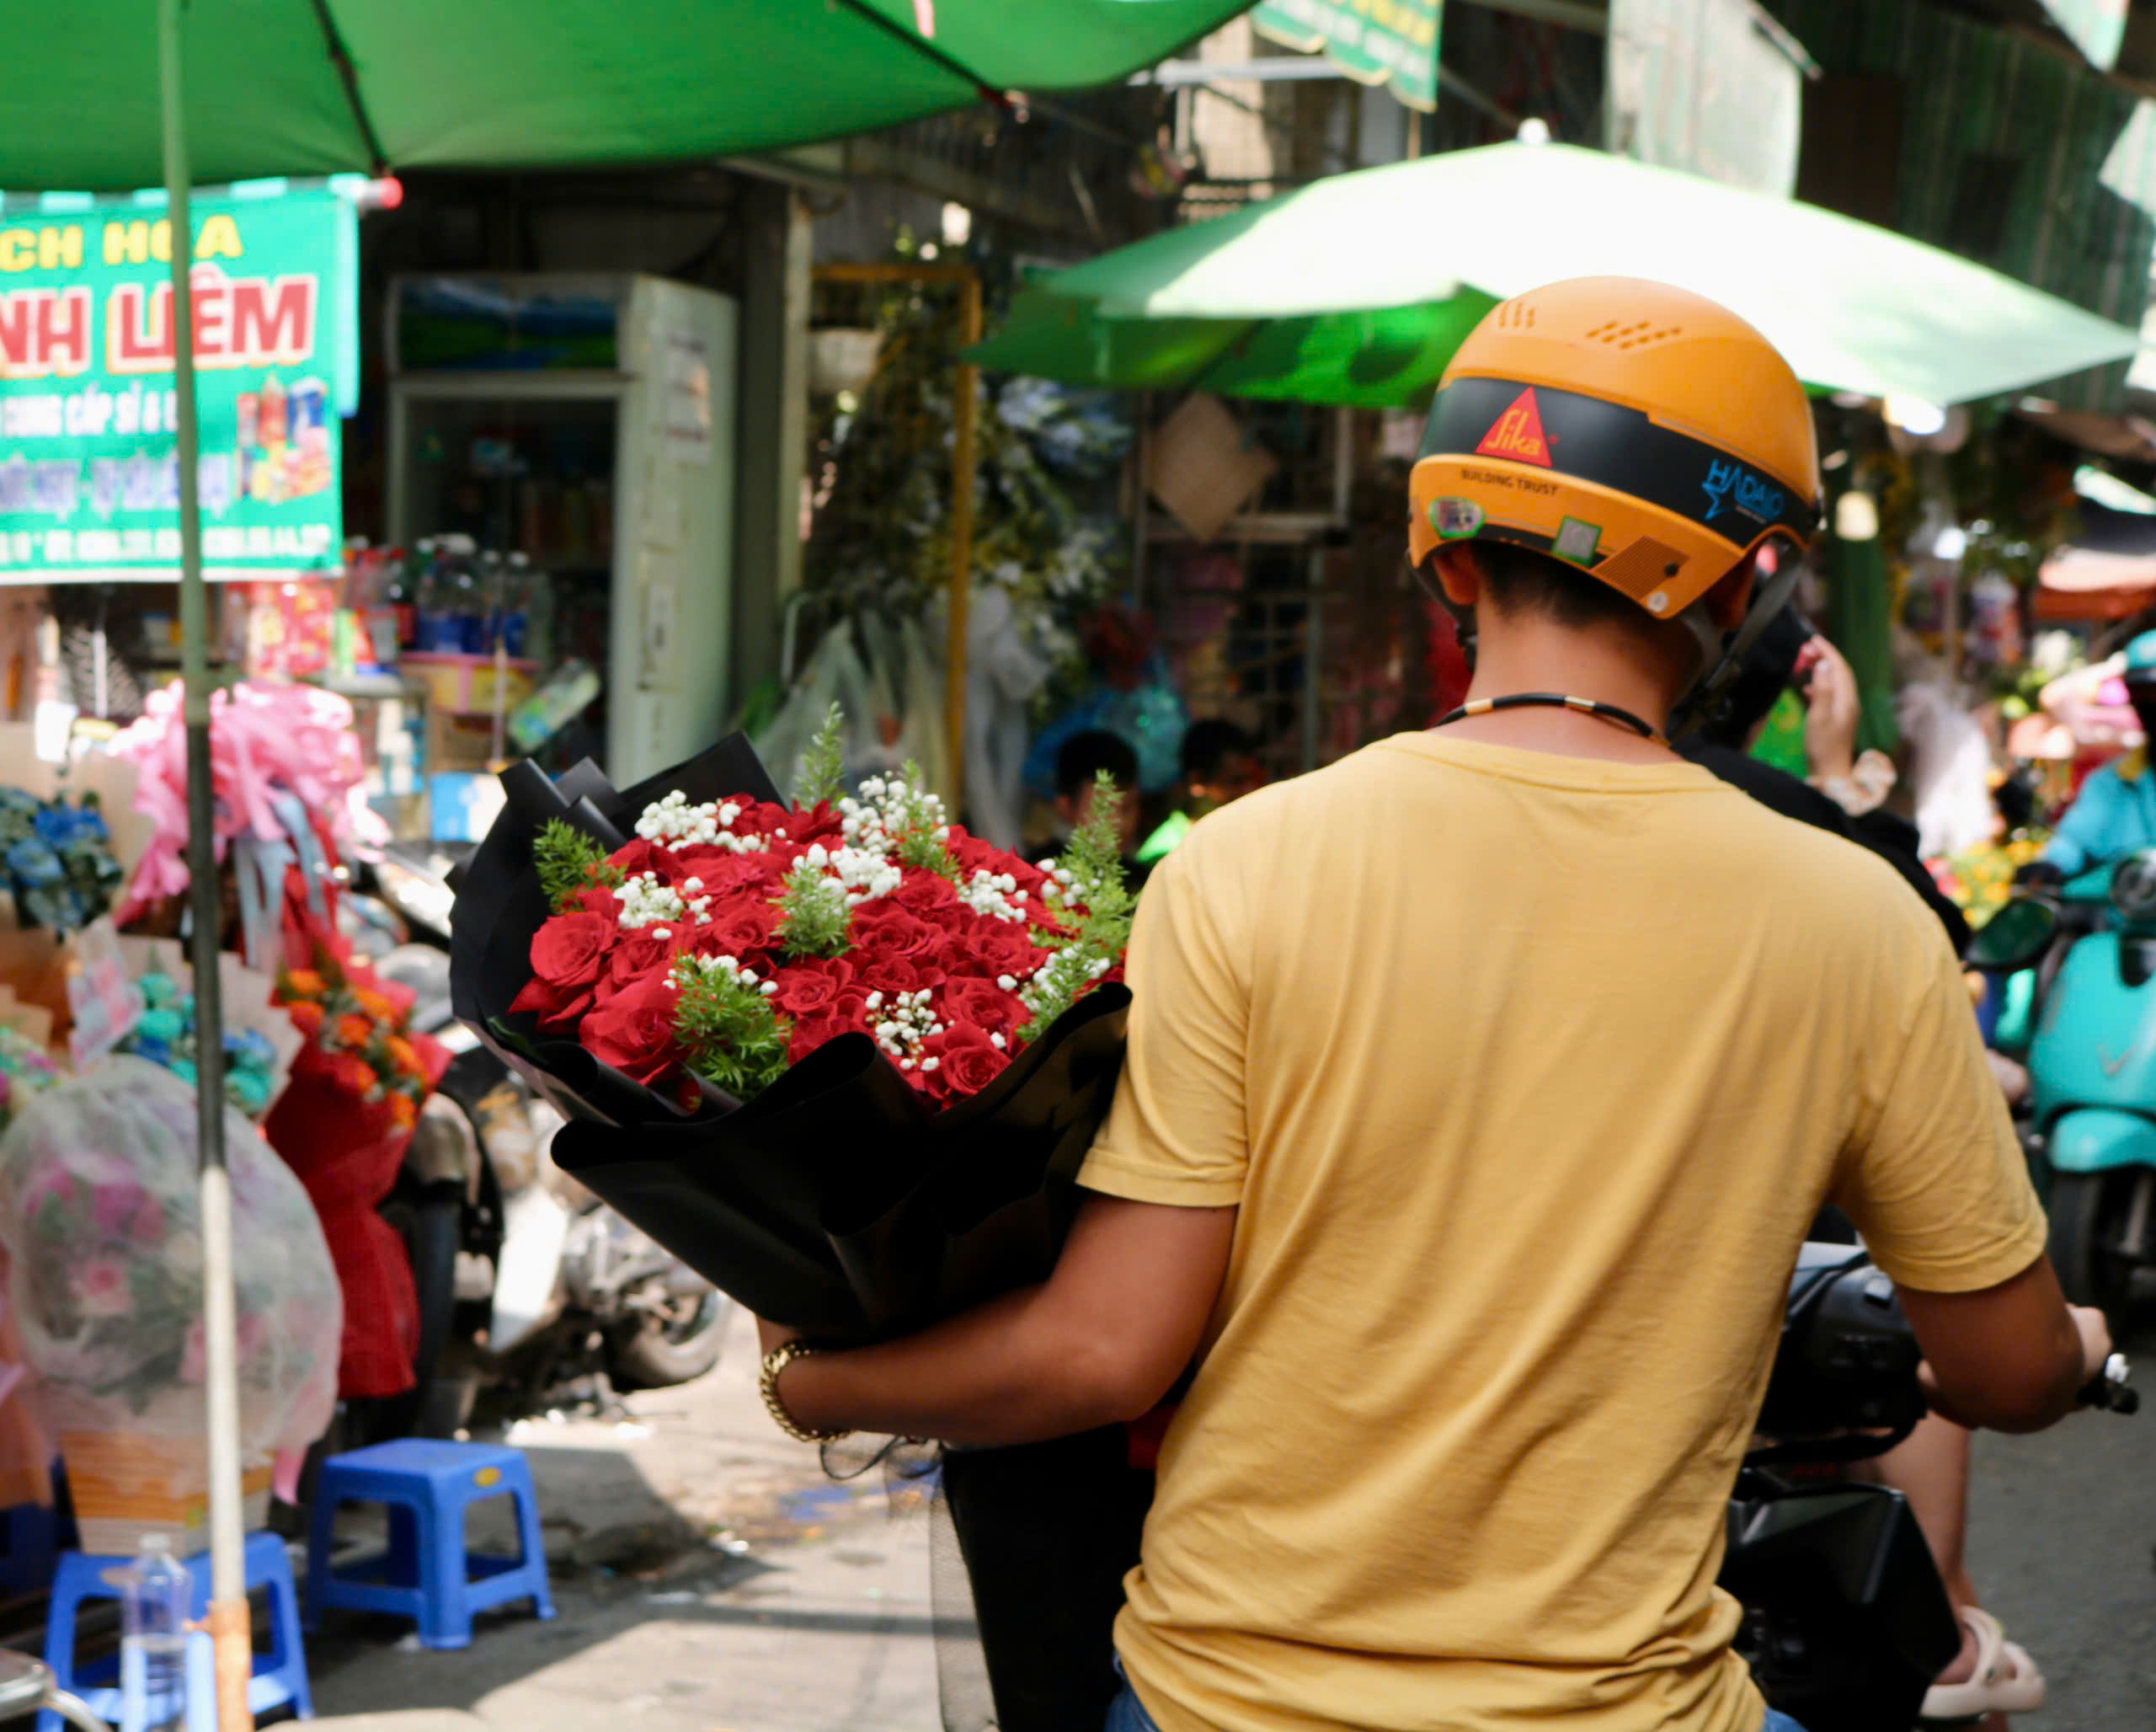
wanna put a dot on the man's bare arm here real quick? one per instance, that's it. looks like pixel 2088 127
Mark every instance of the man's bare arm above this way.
pixel 1102 1339
pixel 2012 1357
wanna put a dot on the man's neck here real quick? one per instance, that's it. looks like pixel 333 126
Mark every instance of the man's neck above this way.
pixel 1535 654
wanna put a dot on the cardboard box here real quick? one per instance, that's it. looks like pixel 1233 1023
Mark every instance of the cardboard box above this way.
pixel 1202 468
pixel 126 1488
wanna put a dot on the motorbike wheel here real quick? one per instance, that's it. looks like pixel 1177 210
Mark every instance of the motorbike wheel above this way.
pixel 676 1348
pixel 2086 1211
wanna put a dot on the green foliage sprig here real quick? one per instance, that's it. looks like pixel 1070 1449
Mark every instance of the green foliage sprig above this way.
pixel 724 1021
pixel 823 766
pixel 918 827
pixel 570 863
pixel 814 917
pixel 1101 892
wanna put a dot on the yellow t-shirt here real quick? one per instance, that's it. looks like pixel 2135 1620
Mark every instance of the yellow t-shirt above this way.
pixel 1529 1074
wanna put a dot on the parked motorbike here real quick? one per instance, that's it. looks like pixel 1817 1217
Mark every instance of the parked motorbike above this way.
pixel 1846 1621
pixel 2087 955
pixel 530 1290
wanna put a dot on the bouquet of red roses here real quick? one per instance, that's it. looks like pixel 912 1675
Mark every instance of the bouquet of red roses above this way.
pixel 840 1056
pixel 734 938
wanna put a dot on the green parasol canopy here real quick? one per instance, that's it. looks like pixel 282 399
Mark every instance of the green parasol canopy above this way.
pixel 314 86
pixel 1357 288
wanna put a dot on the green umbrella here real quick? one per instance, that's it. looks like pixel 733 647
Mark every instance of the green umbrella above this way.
pixel 1356 288
pixel 312 87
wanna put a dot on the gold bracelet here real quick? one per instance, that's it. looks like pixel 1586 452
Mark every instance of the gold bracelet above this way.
pixel 776 1361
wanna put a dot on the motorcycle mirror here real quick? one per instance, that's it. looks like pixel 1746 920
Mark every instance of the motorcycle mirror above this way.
pixel 2133 890
pixel 2016 937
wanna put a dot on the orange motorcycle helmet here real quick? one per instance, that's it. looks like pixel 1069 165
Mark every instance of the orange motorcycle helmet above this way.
pixel 1641 432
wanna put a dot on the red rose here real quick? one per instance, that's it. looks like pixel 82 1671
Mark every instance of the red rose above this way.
pixel 848 1014
pixel 811 988
pixel 721 873
pixel 599 900
pixel 637 953
pixel 556 1007
pixel 762 818
pixel 982 1004
pixel 888 975
pixel 820 823
pixel 930 895
pixel 996 948
pixel 570 949
pixel 744 928
pixel 974 855
pixel 640 857
pixel 966 1062
pixel 885 930
pixel 634 1032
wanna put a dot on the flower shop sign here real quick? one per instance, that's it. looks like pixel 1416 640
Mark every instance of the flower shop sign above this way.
pixel 89 470
pixel 1377 41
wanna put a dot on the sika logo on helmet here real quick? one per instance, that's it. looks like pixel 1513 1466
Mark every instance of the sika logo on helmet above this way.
pixel 1756 496
pixel 1518 433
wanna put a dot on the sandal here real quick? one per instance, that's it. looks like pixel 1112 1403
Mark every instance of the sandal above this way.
pixel 2006 1680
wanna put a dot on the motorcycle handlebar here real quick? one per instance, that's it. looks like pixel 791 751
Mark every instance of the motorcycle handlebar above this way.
pixel 2113 1392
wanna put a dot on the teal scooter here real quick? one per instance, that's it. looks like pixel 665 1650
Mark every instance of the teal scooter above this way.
pixel 2090 950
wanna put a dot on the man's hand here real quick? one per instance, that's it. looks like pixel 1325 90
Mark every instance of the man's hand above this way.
pixel 1830 723
pixel 2095 1341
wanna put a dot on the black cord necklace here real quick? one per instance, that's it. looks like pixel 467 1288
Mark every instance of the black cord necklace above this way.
pixel 1556 700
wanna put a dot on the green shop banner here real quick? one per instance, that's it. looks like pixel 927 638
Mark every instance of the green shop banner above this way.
pixel 1377 41
pixel 89 471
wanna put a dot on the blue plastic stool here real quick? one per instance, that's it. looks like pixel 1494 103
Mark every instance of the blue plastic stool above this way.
pixel 426 1574
pixel 280 1678
pixel 29 1548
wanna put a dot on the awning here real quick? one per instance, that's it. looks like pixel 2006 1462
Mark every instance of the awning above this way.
pixel 317 87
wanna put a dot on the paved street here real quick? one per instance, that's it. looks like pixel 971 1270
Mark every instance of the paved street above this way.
pixel 810 1614
pixel 823 1623
pixel 2062 1545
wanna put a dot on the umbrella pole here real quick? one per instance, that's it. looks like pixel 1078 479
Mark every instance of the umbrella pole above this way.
pixel 964 466
pixel 228 1622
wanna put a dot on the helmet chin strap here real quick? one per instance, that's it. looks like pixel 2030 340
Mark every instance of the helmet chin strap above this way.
pixel 1721 654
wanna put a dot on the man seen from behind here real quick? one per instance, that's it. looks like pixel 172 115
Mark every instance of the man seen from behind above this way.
pixel 1480 1088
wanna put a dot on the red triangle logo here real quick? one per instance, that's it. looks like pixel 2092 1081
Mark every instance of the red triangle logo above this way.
pixel 1518 433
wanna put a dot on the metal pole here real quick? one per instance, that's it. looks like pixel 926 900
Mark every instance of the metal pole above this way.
pixel 962 468
pixel 229 1624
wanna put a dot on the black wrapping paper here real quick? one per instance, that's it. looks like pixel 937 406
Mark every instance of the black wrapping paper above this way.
pixel 837 1202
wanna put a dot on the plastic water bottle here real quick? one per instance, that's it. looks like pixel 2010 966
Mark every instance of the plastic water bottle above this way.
pixel 156 1591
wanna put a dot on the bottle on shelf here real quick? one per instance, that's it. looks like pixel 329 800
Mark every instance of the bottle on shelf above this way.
pixel 467 604
pixel 156 1591
pixel 400 599
pixel 538 611
pixel 439 632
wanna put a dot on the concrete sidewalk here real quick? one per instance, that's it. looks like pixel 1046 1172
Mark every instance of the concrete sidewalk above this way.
pixel 709 1579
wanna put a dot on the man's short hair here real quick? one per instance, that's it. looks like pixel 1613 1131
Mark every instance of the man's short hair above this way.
pixel 1208 745
pixel 1085 755
pixel 1522 580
